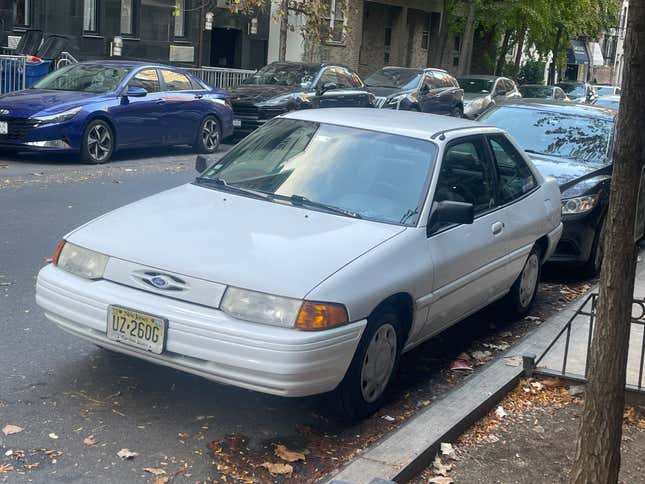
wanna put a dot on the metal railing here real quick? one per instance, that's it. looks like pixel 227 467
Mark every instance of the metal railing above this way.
pixel 221 77
pixel 588 311
pixel 64 59
pixel 12 73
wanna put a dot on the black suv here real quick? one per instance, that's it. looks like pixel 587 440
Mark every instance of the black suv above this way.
pixel 426 90
pixel 281 87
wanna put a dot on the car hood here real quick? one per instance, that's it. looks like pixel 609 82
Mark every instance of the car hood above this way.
pixel 471 96
pixel 256 93
pixel 31 101
pixel 564 170
pixel 234 240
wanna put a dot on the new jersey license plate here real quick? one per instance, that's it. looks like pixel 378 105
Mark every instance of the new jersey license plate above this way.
pixel 237 123
pixel 140 330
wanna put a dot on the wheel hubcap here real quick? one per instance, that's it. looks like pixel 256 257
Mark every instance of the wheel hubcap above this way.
pixel 99 142
pixel 210 134
pixel 529 280
pixel 378 363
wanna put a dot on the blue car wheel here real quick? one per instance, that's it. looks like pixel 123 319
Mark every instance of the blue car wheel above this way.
pixel 209 136
pixel 98 142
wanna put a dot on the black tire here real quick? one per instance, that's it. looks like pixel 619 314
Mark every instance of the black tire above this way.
pixel 518 301
pixel 98 142
pixel 355 398
pixel 209 136
pixel 457 112
pixel 592 267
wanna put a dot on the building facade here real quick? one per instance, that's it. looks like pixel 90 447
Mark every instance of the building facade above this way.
pixel 169 31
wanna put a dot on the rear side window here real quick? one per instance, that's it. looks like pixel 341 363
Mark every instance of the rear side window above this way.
pixel 515 177
pixel 147 79
pixel 176 81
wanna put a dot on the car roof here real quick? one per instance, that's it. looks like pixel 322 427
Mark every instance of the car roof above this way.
pixel 483 76
pixel 130 64
pixel 562 107
pixel 404 123
pixel 415 69
pixel 536 85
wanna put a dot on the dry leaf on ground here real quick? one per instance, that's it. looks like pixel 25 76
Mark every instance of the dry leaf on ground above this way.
pixel 278 469
pixel 440 480
pixel 288 455
pixel 127 454
pixel 89 440
pixel 154 471
pixel 53 436
pixel 500 412
pixel 11 429
pixel 161 480
pixel 448 451
pixel 183 435
pixel 6 467
pixel 440 468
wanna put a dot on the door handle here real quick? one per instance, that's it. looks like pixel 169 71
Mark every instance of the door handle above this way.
pixel 497 228
pixel 161 101
pixel 199 96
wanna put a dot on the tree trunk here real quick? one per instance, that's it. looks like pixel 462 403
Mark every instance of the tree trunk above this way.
pixel 467 41
pixel 503 50
pixel 521 35
pixel 438 54
pixel 554 63
pixel 598 453
pixel 284 29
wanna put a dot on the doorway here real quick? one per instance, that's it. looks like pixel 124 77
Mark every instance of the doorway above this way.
pixel 226 48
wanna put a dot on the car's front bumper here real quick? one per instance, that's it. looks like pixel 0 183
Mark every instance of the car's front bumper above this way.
pixel 577 238
pixel 205 341
pixel 27 134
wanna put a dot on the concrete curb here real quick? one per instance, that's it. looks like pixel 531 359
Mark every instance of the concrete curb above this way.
pixel 406 451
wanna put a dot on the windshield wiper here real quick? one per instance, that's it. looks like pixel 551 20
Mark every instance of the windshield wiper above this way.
pixel 301 201
pixel 221 183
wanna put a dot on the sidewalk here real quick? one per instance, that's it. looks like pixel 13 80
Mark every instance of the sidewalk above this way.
pixel 405 452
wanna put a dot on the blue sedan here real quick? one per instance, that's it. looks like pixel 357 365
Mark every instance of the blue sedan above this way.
pixel 95 108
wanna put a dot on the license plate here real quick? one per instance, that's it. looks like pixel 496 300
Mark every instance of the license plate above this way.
pixel 237 123
pixel 140 330
pixel 4 127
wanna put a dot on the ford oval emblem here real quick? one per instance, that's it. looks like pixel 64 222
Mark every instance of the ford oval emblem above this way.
pixel 159 282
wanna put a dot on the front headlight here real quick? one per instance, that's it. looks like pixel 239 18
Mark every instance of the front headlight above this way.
pixel 80 261
pixel 285 312
pixel 58 117
pixel 285 99
pixel 578 204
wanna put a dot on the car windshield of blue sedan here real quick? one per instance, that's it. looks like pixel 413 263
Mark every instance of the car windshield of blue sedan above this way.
pixel 284 75
pixel 377 176
pixel 395 78
pixel 582 138
pixel 84 78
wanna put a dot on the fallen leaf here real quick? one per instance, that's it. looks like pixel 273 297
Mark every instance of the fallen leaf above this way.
pixel 52 436
pixel 288 455
pixel 441 468
pixel 460 365
pixel 89 440
pixel 502 346
pixel 500 412
pixel 161 480
pixel 448 451
pixel 11 429
pixel 6 467
pixel 440 480
pixel 552 382
pixel 31 466
pixel 127 454
pixel 481 356
pixel 537 385
pixel 154 471
pixel 278 469
pixel 388 418
pixel 183 435
pixel 533 318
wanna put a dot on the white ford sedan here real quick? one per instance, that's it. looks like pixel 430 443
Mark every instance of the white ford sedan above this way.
pixel 313 254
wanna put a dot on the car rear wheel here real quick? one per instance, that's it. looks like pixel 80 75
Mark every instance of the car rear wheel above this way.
pixel 209 136
pixel 375 362
pixel 522 294
pixel 457 112
pixel 98 142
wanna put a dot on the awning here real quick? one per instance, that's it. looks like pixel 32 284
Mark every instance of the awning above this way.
pixel 577 54
pixel 596 54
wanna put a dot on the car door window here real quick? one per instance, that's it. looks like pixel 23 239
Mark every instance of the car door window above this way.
pixel 515 177
pixel 147 79
pixel 344 80
pixel 328 76
pixel 175 81
pixel 466 176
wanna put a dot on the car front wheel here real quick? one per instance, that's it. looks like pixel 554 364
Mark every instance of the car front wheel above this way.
pixel 457 112
pixel 98 142
pixel 375 362
pixel 209 136
pixel 522 293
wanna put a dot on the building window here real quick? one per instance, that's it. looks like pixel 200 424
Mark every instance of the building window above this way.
pixel 180 18
pixel 90 16
pixel 128 17
pixel 22 13
pixel 425 36
pixel 334 25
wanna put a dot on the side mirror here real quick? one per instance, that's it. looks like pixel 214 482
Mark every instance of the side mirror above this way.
pixel 201 163
pixel 424 89
pixel 449 212
pixel 328 86
pixel 134 91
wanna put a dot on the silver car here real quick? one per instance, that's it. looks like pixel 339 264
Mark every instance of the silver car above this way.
pixel 313 254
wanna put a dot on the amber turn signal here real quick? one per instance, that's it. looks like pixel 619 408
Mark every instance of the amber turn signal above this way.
pixel 314 316
pixel 57 252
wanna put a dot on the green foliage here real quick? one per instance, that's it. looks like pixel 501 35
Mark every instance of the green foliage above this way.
pixel 532 72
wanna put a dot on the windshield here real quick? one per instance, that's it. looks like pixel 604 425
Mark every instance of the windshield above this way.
pixel 84 78
pixel 573 90
pixel 581 138
pixel 473 85
pixel 395 78
pixel 540 92
pixel 378 176
pixel 284 75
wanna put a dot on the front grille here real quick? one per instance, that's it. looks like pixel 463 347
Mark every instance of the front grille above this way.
pixel 245 110
pixel 379 101
pixel 18 128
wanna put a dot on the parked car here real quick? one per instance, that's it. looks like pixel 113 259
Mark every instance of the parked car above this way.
pixel 281 87
pixel 481 92
pixel 95 108
pixel 579 92
pixel 343 237
pixel 425 90
pixel 604 90
pixel 573 143
pixel 612 102
pixel 538 91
